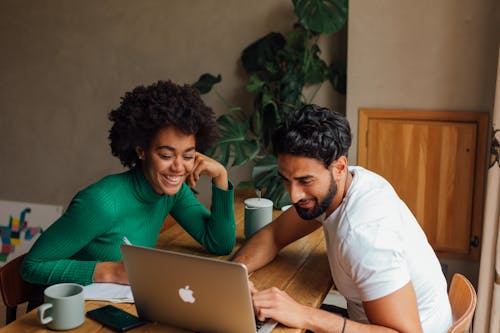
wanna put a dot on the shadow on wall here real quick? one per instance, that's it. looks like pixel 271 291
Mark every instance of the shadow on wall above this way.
pixel 468 268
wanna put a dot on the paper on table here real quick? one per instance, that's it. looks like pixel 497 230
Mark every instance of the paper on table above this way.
pixel 111 292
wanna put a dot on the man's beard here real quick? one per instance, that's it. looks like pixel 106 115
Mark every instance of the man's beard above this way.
pixel 319 208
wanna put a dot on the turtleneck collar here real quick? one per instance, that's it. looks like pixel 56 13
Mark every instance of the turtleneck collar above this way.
pixel 142 188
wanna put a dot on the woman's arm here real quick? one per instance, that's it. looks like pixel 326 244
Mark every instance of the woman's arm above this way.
pixel 49 260
pixel 214 229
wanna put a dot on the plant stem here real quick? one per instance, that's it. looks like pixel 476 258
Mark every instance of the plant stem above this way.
pixel 291 106
pixel 226 103
pixel 314 93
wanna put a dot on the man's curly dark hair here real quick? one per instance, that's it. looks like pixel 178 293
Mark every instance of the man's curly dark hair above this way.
pixel 314 132
pixel 146 110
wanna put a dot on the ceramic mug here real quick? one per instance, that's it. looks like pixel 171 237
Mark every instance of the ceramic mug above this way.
pixel 64 306
pixel 258 213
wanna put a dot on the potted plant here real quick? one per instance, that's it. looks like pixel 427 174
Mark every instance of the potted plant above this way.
pixel 279 67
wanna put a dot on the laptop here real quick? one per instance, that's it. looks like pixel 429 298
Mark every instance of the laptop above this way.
pixel 191 292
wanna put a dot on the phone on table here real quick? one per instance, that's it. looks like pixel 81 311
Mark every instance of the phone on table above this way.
pixel 117 319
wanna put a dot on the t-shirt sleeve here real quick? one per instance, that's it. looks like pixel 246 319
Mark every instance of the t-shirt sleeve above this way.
pixel 214 229
pixel 373 255
pixel 49 260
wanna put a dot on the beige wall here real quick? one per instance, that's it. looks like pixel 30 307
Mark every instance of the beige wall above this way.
pixel 436 55
pixel 65 64
pixel 421 55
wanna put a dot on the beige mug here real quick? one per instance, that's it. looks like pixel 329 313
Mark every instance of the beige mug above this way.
pixel 64 306
pixel 258 213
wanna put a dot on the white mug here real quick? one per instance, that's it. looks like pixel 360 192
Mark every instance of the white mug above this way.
pixel 258 213
pixel 64 306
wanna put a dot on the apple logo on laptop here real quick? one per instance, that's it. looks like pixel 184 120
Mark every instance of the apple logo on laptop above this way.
pixel 186 295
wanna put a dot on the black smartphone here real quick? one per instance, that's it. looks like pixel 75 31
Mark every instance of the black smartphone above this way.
pixel 117 319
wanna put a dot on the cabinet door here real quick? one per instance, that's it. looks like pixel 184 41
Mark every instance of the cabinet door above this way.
pixel 436 163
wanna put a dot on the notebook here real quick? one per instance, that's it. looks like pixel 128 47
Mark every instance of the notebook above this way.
pixel 191 292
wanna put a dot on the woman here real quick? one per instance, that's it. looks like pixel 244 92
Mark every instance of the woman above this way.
pixel 158 132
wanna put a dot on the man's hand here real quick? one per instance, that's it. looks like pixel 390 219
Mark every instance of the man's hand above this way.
pixel 253 290
pixel 276 304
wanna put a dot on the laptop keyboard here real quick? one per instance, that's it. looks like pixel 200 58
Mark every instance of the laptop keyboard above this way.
pixel 265 326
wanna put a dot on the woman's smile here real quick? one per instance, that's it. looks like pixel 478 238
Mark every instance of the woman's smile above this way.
pixel 173 180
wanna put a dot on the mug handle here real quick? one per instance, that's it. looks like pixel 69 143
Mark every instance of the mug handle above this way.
pixel 41 313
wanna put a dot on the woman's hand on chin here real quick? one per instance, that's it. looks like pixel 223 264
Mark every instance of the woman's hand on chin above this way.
pixel 204 165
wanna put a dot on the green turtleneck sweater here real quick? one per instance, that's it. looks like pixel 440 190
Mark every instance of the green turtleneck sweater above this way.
pixel 92 228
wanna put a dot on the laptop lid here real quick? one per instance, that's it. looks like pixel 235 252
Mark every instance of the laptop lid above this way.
pixel 188 291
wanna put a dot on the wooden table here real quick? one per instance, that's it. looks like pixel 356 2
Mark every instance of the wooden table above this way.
pixel 301 269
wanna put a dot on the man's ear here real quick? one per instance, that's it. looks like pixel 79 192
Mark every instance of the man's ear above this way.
pixel 340 165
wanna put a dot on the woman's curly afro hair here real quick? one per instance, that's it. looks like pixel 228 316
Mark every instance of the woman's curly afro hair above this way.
pixel 146 110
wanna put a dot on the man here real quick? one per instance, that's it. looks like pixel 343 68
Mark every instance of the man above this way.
pixel 379 257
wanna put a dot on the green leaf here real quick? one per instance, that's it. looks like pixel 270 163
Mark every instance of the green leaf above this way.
pixel 244 151
pixel 271 119
pixel 337 74
pixel 316 70
pixel 255 84
pixel 262 51
pixel 245 184
pixel 322 16
pixel 267 98
pixel 256 122
pixel 266 177
pixel 233 141
pixel 296 40
pixel 263 170
pixel 206 82
pixel 278 194
pixel 291 85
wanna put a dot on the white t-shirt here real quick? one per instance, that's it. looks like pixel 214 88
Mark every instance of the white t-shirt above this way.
pixel 376 246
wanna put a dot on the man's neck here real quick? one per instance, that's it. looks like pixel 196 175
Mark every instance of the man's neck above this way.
pixel 342 189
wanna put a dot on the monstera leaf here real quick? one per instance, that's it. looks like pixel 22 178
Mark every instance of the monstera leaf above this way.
pixel 258 55
pixel 265 176
pixel 322 16
pixel 316 69
pixel 234 148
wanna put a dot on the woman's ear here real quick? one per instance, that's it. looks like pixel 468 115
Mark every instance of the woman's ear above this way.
pixel 140 152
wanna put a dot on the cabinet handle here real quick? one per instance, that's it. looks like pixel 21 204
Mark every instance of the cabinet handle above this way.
pixel 474 242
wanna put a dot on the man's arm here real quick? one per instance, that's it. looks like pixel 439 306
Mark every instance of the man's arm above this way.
pixel 267 242
pixel 396 312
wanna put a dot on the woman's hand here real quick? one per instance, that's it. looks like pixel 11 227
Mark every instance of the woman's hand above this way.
pixel 110 271
pixel 204 165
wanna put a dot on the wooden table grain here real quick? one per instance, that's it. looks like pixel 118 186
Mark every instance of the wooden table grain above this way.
pixel 301 269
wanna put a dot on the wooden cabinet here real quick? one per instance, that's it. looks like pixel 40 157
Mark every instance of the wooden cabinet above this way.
pixel 436 161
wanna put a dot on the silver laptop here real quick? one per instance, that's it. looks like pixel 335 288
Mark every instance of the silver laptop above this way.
pixel 191 292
